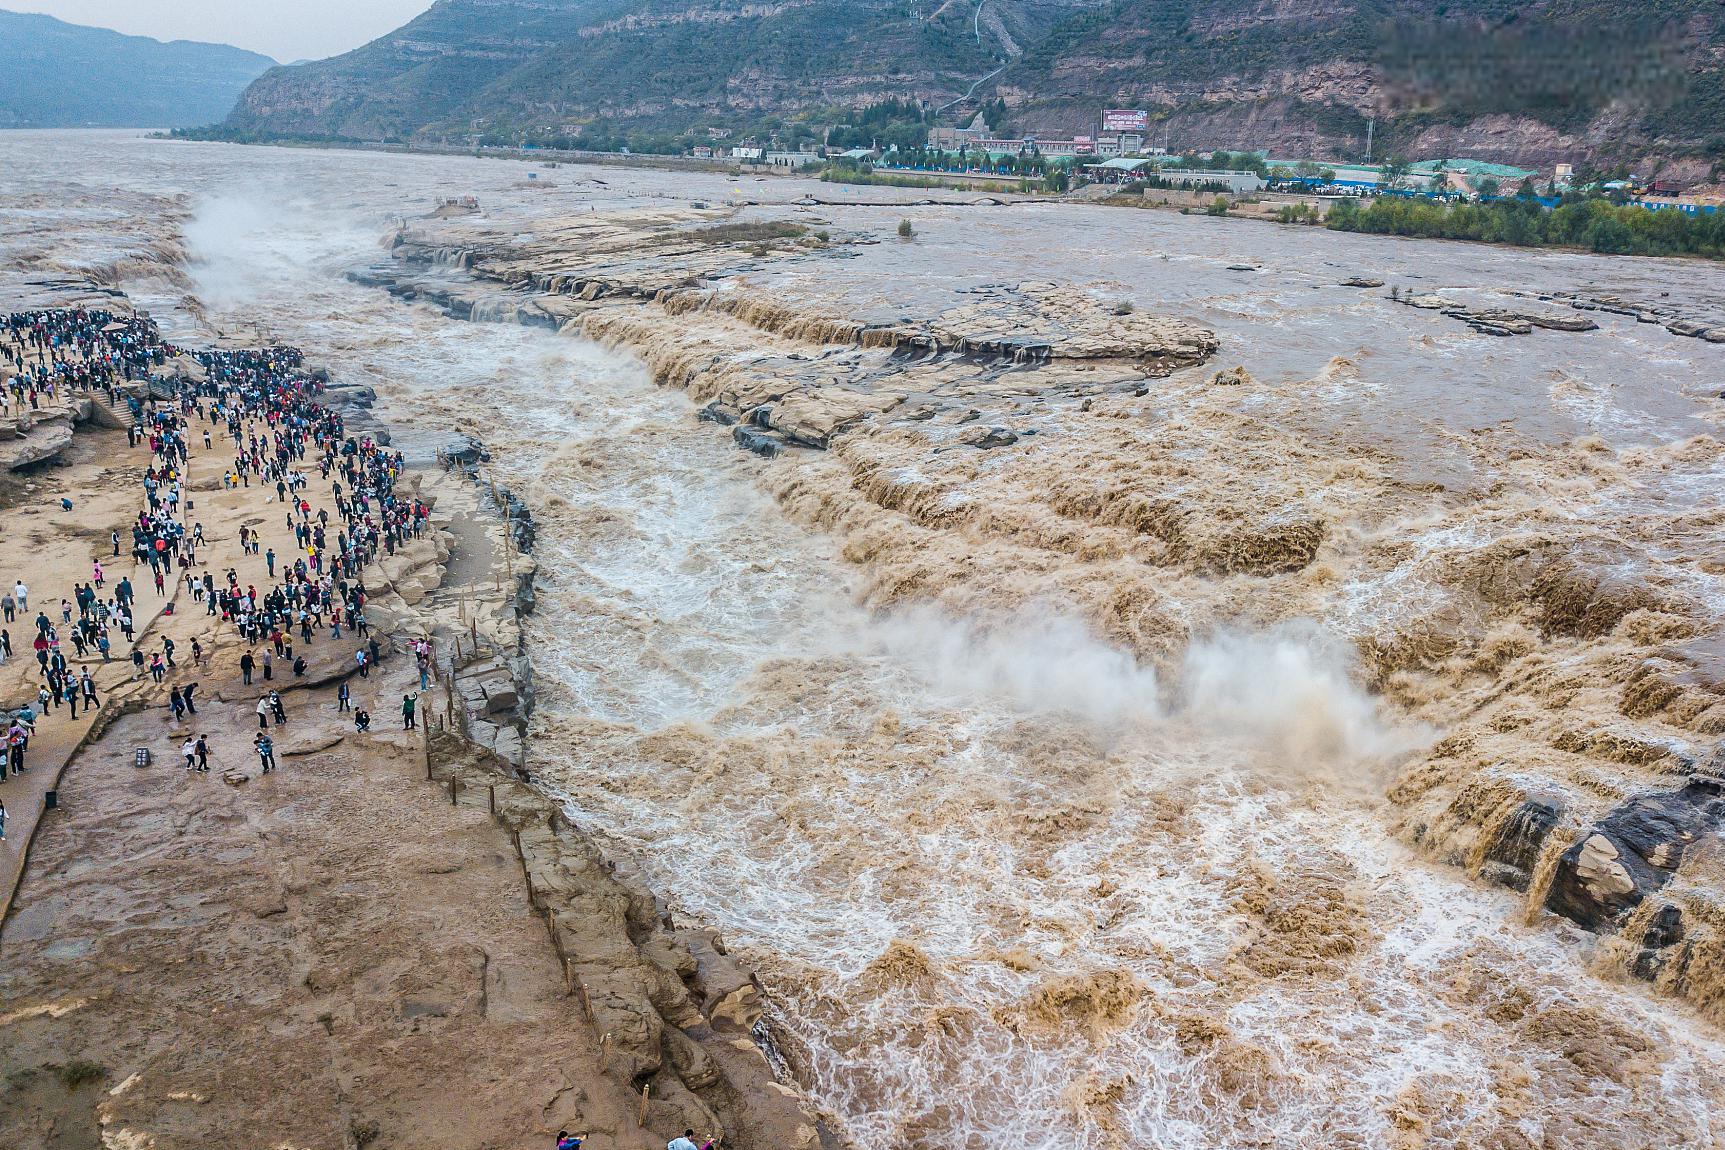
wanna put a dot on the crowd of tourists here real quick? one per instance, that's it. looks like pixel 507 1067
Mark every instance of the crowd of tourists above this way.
pixel 264 412
pixel 50 353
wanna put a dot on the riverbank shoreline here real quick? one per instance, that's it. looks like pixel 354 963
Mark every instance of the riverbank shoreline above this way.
pixel 621 1028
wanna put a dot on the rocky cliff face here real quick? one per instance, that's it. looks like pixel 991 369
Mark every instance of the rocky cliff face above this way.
pixel 1523 81
pixel 1526 81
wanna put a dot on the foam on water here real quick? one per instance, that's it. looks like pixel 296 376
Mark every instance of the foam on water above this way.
pixel 1005 883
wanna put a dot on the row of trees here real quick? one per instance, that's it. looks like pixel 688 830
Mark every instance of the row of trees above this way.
pixel 1595 224
pixel 940 161
pixel 1053 177
pixel 889 123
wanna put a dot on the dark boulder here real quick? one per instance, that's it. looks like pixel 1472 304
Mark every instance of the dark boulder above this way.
pixel 1664 931
pixel 716 412
pixel 1632 852
pixel 526 595
pixel 465 451
pixel 984 438
pixel 1514 851
pixel 350 394
pixel 754 439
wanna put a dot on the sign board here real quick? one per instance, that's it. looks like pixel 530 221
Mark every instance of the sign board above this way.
pixel 1125 120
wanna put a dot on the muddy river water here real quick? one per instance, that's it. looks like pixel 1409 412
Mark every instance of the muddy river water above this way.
pixel 1007 883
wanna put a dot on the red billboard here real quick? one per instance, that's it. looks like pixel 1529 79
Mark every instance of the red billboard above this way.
pixel 1125 120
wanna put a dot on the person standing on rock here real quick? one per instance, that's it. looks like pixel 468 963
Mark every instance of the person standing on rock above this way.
pixel 408 703
pixel 8 607
pixel 266 750
pixel 246 665
pixel 343 698
pixel 263 712
pixel 203 753
pixel 22 594
pixel 19 740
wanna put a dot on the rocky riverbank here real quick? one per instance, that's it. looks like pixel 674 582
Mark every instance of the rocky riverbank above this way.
pixel 336 954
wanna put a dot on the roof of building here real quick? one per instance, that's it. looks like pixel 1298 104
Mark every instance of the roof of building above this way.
pixel 1473 168
pixel 1424 168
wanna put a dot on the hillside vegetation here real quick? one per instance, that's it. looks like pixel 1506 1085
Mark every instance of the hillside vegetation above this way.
pixel 1525 81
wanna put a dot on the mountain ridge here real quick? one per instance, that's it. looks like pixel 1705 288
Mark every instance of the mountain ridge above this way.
pixel 59 75
pixel 1514 80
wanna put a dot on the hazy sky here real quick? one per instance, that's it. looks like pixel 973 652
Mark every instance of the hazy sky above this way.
pixel 285 29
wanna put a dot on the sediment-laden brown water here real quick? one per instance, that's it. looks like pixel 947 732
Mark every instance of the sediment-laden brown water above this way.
pixel 1170 775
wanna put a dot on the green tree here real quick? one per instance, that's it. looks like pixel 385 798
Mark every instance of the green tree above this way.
pixel 1611 235
pixel 1218 206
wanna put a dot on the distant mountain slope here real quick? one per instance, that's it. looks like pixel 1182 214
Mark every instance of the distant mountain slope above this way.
pixel 664 64
pixel 59 75
pixel 1516 80
pixel 1520 80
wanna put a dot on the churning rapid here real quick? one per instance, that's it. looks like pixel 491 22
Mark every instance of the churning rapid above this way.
pixel 1008 877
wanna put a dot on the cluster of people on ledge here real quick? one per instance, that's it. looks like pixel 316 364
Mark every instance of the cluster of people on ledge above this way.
pixel 44 354
pixel 268 409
